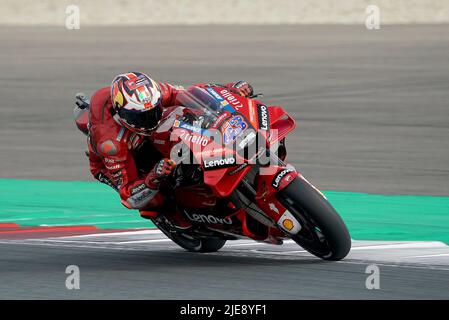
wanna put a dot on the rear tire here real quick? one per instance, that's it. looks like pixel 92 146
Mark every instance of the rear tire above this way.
pixel 190 243
pixel 323 233
pixel 211 245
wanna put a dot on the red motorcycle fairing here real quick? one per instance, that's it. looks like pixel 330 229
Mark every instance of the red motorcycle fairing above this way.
pixel 200 196
pixel 268 185
pixel 280 121
pixel 222 183
pixel 239 118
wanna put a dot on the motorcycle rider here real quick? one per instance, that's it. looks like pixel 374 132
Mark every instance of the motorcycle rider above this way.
pixel 122 118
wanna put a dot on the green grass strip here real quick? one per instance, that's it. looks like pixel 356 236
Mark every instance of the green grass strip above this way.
pixel 368 216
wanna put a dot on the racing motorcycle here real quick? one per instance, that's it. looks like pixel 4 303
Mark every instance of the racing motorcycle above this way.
pixel 231 180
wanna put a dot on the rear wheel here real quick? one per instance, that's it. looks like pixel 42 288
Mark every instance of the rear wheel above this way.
pixel 323 233
pixel 189 242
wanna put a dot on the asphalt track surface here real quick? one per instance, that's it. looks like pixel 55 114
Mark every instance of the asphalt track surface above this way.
pixel 372 111
pixel 147 265
pixel 372 106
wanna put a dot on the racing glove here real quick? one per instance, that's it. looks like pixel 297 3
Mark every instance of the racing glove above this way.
pixel 244 88
pixel 161 170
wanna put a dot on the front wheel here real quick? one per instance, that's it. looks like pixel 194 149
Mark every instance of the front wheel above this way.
pixel 323 233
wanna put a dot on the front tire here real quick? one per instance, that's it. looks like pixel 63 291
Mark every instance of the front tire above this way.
pixel 323 232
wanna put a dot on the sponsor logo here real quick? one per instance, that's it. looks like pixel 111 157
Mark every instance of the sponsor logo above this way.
pixel 108 160
pixel 140 199
pixel 109 148
pixel 210 152
pixel 133 84
pixel 192 138
pixel 141 196
pixel 288 223
pixel 114 167
pixel 233 101
pixel 238 169
pixel 117 178
pixel 273 207
pixel 220 119
pixel 263 117
pixel 214 94
pixel 277 179
pixel 116 175
pixel 208 218
pixel 139 188
pixel 218 163
pixel 247 140
pixel 105 179
pixel 120 134
pixel 233 128
pixel 223 103
pixel 190 127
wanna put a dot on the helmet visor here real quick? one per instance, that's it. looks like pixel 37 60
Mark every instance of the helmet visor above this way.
pixel 147 120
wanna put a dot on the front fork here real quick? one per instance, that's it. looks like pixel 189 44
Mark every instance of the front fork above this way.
pixel 263 195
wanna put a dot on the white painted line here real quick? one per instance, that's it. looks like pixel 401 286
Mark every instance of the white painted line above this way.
pixel 412 245
pixel 244 244
pixel 113 234
pixel 405 245
pixel 386 264
pixel 69 224
pixel 60 245
pixel 145 241
pixel 45 241
pixel 99 242
pixel 401 245
pixel 429 256
pixel 91 223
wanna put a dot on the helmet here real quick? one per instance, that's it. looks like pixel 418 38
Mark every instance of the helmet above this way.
pixel 136 100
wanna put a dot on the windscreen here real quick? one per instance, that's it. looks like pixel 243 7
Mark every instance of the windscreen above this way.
pixel 202 101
